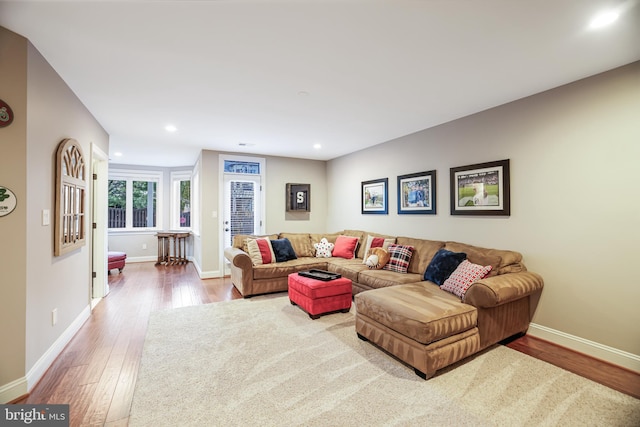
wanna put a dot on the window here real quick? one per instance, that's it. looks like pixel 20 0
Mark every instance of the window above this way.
pixel 134 200
pixel 180 200
pixel 70 197
pixel 195 206
pixel 242 166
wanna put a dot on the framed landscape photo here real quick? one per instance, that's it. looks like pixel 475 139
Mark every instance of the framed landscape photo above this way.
pixel 481 189
pixel 375 196
pixel 417 193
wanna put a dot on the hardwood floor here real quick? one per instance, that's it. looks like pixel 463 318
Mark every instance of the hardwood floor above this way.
pixel 97 371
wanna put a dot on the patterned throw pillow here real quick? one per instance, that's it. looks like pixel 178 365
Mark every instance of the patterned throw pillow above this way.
pixel 260 251
pixel 400 256
pixel 324 248
pixel 464 276
pixel 376 242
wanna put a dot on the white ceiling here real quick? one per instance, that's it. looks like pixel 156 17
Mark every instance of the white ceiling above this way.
pixel 282 76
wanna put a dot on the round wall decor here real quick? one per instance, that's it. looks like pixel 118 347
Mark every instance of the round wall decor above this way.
pixel 8 201
pixel 6 115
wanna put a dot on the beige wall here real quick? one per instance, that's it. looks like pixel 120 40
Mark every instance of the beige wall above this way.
pixel 574 157
pixel 279 171
pixel 37 282
pixel 13 241
pixel 53 113
pixel 283 170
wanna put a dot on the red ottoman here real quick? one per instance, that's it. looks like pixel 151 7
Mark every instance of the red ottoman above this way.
pixel 116 260
pixel 318 297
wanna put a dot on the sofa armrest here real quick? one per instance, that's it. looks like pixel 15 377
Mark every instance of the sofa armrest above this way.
pixel 241 269
pixel 238 258
pixel 497 290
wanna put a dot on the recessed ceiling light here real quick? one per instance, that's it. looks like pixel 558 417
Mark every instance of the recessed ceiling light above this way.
pixel 303 93
pixel 170 128
pixel 317 146
pixel 603 19
pixel 117 154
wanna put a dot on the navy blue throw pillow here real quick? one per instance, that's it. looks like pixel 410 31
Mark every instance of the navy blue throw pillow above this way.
pixel 283 250
pixel 444 263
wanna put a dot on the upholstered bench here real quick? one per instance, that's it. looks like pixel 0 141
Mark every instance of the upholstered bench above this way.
pixel 420 324
pixel 318 297
pixel 116 260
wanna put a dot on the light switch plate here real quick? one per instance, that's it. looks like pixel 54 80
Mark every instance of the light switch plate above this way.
pixel 45 217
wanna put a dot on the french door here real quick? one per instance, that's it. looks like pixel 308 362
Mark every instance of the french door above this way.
pixel 243 198
pixel 242 206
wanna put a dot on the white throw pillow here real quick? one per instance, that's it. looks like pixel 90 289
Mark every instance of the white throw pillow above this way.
pixel 323 248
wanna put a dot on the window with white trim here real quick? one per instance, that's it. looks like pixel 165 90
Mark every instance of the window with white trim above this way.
pixel 195 200
pixel 181 200
pixel 135 200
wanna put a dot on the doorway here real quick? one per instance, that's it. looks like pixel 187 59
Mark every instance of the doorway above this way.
pixel 99 242
pixel 243 199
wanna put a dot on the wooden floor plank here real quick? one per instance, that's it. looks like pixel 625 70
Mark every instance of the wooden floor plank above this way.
pixel 615 377
pixel 97 371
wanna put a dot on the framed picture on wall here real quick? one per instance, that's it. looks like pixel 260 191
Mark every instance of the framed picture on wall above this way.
pixel 298 197
pixel 375 194
pixel 481 189
pixel 417 193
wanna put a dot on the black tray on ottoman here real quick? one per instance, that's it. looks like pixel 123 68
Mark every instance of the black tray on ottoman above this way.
pixel 323 275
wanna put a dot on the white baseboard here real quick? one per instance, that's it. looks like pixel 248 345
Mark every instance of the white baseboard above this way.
pixel 141 259
pixel 13 390
pixel 41 366
pixel 206 274
pixel 599 351
pixel 22 386
pixel 202 274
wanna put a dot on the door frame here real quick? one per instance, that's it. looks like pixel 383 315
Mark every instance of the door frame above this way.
pixel 221 199
pixel 99 285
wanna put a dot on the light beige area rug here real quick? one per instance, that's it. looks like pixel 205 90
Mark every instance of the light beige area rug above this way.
pixel 263 362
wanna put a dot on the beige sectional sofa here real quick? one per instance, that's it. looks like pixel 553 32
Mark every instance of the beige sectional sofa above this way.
pixel 413 319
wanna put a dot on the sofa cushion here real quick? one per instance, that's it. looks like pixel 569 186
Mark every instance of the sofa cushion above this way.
pixel 464 276
pixel 383 278
pixel 349 268
pixel 260 251
pixel 324 248
pixel 283 269
pixel 301 242
pixel 399 258
pixel 420 311
pixel 376 242
pixel 240 240
pixel 442 265
pixel 345 247
pixel 283 250
pixel 331 238
pixel 424 251
pixel 501 261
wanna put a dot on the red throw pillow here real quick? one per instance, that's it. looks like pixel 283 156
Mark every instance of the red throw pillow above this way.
pixel 345 247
